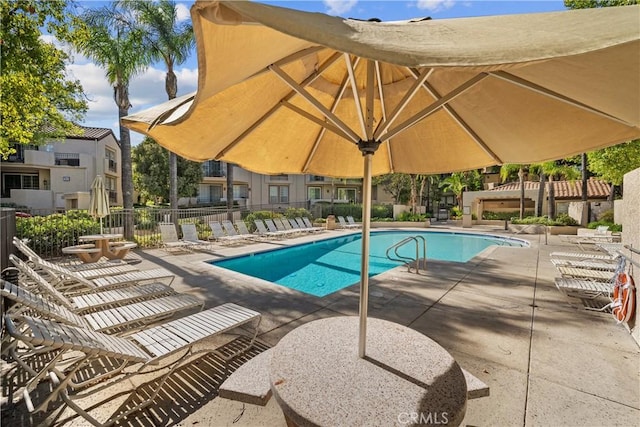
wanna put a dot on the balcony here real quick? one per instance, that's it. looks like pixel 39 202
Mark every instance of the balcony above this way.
pixel 212 169
pixel 67 159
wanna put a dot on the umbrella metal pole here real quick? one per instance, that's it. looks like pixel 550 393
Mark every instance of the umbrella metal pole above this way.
pixel 364 266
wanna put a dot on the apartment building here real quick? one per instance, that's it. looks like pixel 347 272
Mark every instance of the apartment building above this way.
pixel 272 191
pixel 58 175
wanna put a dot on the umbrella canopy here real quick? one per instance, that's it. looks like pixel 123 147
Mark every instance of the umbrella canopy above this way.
pixel 99 201
pixel 285 91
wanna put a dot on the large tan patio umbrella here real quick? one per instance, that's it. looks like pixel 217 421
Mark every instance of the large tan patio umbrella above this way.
pixel 99 200
pixel 276 93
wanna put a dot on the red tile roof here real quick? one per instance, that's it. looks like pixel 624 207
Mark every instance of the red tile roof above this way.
pixel 596 188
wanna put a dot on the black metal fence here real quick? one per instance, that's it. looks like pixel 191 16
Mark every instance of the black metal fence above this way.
pixel 48 232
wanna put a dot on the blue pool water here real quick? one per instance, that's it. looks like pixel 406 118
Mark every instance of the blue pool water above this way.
pixel 326 266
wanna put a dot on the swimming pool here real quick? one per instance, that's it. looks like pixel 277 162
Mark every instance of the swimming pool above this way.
pixel 326 266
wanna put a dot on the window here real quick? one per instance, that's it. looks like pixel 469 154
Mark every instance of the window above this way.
pixel 110 155
pixel 110 185
pixel 282 177
pixel 240 191
pixel 314 193
pixel 19 182
pixel 347 194
pixel 212 168
pixel 67 159
pixel 278 194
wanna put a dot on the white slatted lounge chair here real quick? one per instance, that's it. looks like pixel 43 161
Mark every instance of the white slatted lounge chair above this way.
pixel 583 288
pixel 263 231
pixel 310 226
pixel 65 278
pixel 288 225
pixel 230 229
pixel 88 271
pixel 593 265
pixel 92 300
pixel 584 255
pixel 283 224
pixel 170 239
pixel 345 225
pixel 138 352
pixel 297 224
pixel 585 273
pixel 190 234
pixel 352 222
pixel 244 231
pixel 220 236
pixel 612 249
pixel 106 320
pixel 276 225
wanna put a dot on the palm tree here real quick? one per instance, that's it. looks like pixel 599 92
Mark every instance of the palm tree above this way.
pixel 120 49
pixel 169 41
pixel 455 184
pixel 552 170
pixel 506 171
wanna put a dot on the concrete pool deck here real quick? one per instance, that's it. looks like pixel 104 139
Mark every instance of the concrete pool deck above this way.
pixel 547 362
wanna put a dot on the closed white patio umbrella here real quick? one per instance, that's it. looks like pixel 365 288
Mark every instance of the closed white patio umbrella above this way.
pixel 99 200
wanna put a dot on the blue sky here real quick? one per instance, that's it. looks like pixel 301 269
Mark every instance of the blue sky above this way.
pixel 147 89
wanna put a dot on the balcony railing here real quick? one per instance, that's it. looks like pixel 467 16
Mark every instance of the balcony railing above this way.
pixel 67 159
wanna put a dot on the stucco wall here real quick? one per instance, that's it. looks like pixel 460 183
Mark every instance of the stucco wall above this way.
pixel 631 234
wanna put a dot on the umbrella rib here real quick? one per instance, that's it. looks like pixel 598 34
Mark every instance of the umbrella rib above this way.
pixel 356 96
pixel 452 112
pixel 324 124
pixel 434 106
pixel 312 77
pixel 383 110
pixel 339 95
pixel 315 103
pixel 369 98
pixel 420 79
pixel 503 75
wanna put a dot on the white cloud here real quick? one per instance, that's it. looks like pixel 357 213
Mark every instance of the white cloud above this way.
pixel 145 90
pixel 182 12
pixel 435 5
pixel 339 7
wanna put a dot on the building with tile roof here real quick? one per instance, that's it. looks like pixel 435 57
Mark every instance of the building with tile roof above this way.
pixel 57 176
pixel 567 194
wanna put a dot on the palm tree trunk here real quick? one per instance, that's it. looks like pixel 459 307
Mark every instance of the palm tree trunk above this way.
pixel 521 179
pixel 543 180
pixel 229 191
pixel 171 86
pixel 552 199
pixel 121 97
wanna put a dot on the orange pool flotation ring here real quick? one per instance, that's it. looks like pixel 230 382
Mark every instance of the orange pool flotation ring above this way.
pixel 624 298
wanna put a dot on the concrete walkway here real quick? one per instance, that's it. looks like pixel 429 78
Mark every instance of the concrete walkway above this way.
pixel 547 362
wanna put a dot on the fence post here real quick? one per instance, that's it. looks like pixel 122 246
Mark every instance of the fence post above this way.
pixel 7 231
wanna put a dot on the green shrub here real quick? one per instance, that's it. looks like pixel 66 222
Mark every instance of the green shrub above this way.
pixel 489 215
pixel 607 217
pixel 381 211
pixel 297 213
pixel 408 216
pixel 456 212
pixel 250 218
pixel 612 226
pixel 49 234
pixel 562 219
